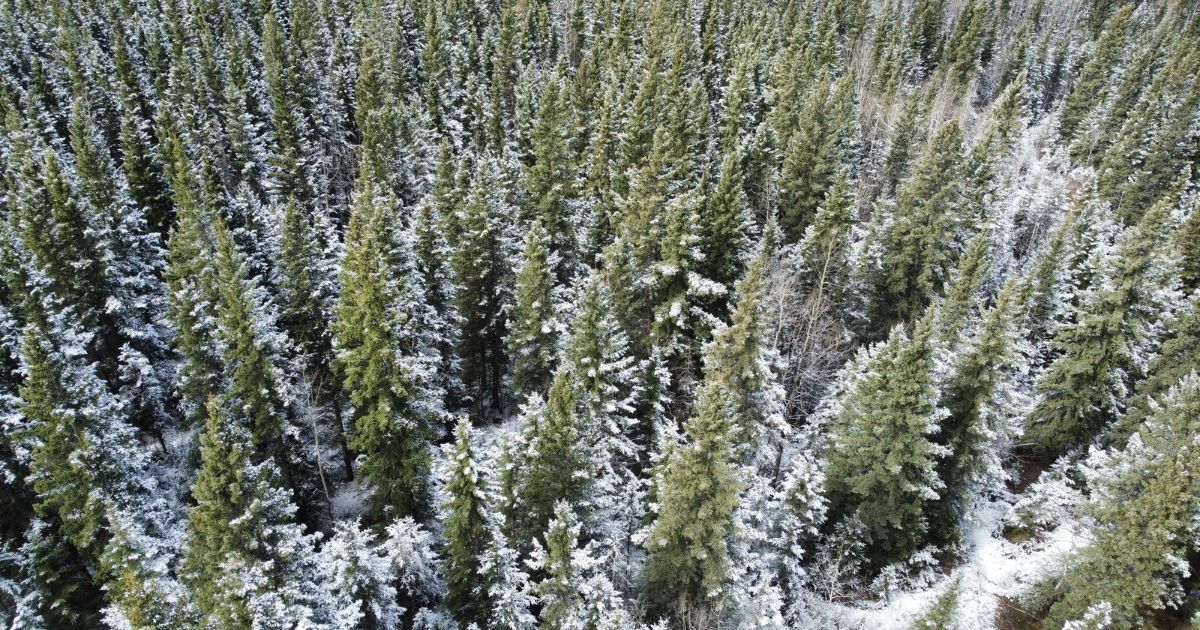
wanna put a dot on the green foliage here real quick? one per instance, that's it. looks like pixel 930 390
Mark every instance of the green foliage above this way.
pixel 389 428
pixel 882 456
pixel 1093 79
pixel 1145 513
pixel 241 540
pixel 1083 390
pixel 687 559
pixel 532 335
pixel 918 240
pixel 941 616
pixel 555 467
pixel 480 265
pixel 467 534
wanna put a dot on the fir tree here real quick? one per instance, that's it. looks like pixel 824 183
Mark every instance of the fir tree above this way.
pixel 555 466
pixel 1178 355
pixel 975 399
pixel 551 177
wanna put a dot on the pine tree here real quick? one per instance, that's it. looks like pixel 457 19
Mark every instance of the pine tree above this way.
pixel 738 367
pixel 83 457
pixel 1144 510
pixel 363 578
pixel 252 355
pixel 725 227
pixel 825 249
pixel 467 532
pixel 305 286
pixel 558 592
pixel 808 165
pixel 1187 242
pixel 881 457
pixel 534 327
pixel 191 280
pixel 138 581
pixel 65 596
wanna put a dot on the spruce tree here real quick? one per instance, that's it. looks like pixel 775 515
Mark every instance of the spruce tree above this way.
pixel 687 561
pixel 1178 355
pixel 1091 84
pixel 975 397
pixel 555 466
pixel 247 562
pixel 480 267
pixel 191 280
pixel 252 355
pixel 881 458
pixel 559 592
pixel 918 240
pixel 809 164
pixel 1144 510
pixel 550 179
pixel 534 329
pixel 384 364
pixel 1084 389
pixel 467 532
pixel 725 227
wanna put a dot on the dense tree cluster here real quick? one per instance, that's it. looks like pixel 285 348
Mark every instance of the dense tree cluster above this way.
pixel 588 314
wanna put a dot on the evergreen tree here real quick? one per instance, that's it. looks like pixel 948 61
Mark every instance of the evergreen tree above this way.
pixel 82 456
pixel 882 458
pixel 1092 81
pixel 252 356
pixel 555 465
pixel 1144 510
pixel 385 363
pixel 814 155
pixel 1085 387
pixel 533 331
pixel 725 227
pixel 920 231
pixel 363 578
pixel 467 532
pixel 247 562
pixel 976 397
pixel 558 591
pixel 687 562
pixel 550 179
pixel 480 264
pixel 1178 355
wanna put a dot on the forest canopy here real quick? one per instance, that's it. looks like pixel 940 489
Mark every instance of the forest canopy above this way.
pixel 599 314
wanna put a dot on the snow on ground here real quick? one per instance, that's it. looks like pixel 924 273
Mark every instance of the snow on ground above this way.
pixel 994 568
